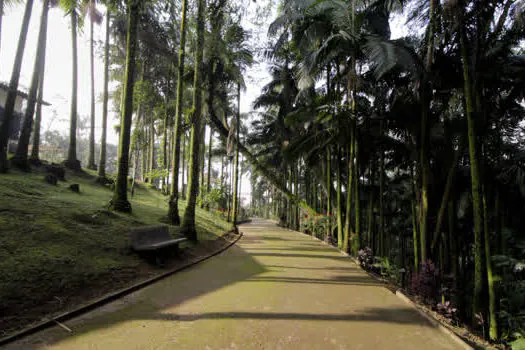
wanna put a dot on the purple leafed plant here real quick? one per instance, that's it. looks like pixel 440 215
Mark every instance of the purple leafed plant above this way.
pixel 365 258
pixel 426 282
pixel 447 310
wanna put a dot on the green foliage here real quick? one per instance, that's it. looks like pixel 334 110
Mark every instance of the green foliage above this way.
pixel 388 270
pixel 216 197
pixel 315 225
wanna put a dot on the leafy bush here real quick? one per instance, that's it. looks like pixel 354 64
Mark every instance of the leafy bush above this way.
pixel 365 258
pixel 426 283
pixel 388 270
pixel 315 225
pixel 448 310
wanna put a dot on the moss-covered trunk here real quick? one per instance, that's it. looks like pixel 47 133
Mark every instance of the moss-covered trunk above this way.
pixel 382 238
pixel 35 151
pixel 91 155
pixel 357 244
pixel 20 159
pixel 474 176
pixel 188 222
pixel 329 194
pixel 120 198
pixel 339 209
pixel 72 162
pixel 236 160
pixel 173 211
pixel 103 137
pixel 9 106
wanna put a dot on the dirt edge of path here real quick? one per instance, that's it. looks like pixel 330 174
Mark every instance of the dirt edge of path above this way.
pixel 189 257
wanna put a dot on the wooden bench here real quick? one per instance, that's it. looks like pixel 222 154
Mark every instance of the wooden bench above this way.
pixel 154 240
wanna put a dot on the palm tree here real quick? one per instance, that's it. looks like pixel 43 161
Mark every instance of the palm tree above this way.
pixel 35 151
pixel 94 17
pixel 120 198
pixel 236 159
pixel 71 8
pixel 188 222
pixel 20 159
pixel 173 211
pixel 13 88
pixel 103 137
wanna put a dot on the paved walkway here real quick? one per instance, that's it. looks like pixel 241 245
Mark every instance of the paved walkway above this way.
pixel 276 289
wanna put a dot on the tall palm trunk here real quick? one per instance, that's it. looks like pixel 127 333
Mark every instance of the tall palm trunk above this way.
pixel 9 108
pixel 120 198
pixel 202 158
pixel 173 211
pixel 210 148
pixel 91 155
pixel 183 167
pixel 425 127
pixel 339 209
pixel 474 176
pixel 103 138
pixel 329 194
pixel 382 239
pixel 35 151
pixel 20 159
pixel 72 162
pixel 236 164
pixel 188 222
pixel 493 302
pixel 357 245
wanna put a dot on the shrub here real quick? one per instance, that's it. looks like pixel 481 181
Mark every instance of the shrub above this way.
pixel 365 258
pixel 447 310
pixel 426 282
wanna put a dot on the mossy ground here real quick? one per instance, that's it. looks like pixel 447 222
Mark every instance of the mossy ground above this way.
pixel 55 243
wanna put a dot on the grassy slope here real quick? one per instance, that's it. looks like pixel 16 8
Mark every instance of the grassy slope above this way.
pixel 54 242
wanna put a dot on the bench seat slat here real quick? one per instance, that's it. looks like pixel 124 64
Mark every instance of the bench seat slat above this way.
pixel 158 245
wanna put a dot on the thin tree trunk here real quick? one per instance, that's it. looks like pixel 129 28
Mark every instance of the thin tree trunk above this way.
pixel 173 211
pixel 236 164
pixel 183 168
pixel 72 162
pixel 446 196
pixel 35 152
pixel 120 200
pixel 349 191
pixel 357 245
pixel 493 302
pixel 474 175
pixel 165 151
pixel 103 138
pixel 210 148
pixel 20 159
pixel 382 239
pixel 91 155
pixel 188 222
pixel 9 108
pixel 339 209
pixel 202 158
pixel 329 193
pixel 425 128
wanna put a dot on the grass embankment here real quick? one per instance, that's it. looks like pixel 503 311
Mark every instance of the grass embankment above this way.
pixel 59 248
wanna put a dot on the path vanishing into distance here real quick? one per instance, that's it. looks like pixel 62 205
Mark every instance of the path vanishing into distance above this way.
pixel 274 289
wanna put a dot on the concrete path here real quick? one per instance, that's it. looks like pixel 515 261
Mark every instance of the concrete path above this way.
pixel 276 289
